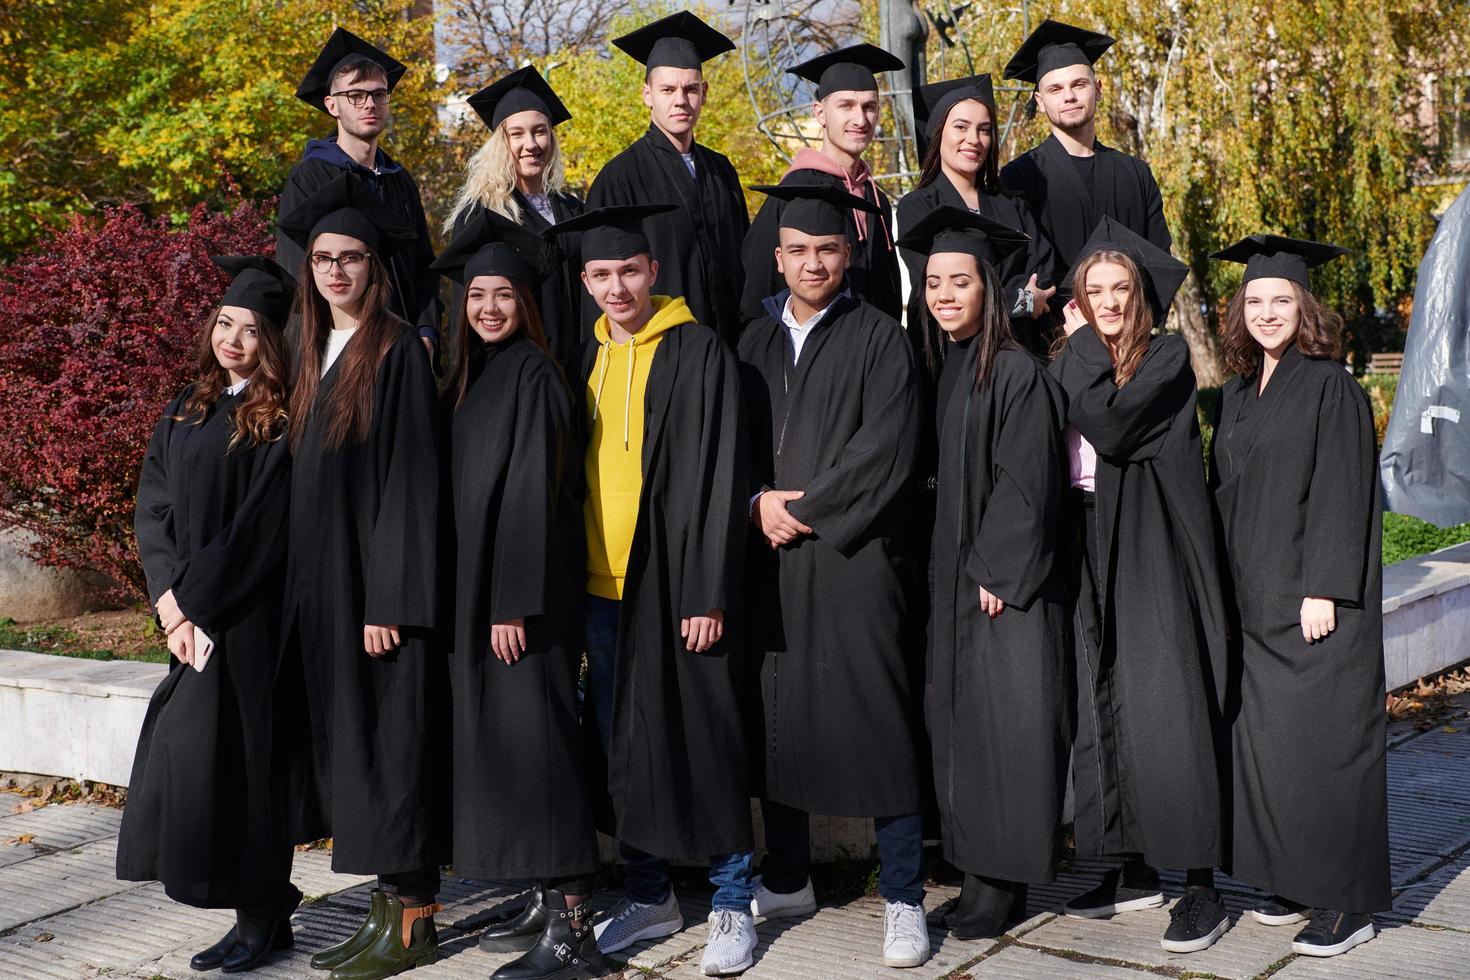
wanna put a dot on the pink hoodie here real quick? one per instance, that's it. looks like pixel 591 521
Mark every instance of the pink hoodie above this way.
pixel 810 159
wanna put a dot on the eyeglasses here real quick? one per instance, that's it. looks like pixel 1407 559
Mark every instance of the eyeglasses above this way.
pixel 359 97
pixel 348 262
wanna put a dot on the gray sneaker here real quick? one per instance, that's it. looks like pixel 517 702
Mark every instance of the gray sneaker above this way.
pixel 628 922
pixel 730 948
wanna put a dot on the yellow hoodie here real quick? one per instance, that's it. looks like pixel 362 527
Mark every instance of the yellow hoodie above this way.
pixel 614 458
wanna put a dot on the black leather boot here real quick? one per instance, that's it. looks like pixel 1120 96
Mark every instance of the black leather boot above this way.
pixel 987 907
pixel 334 956
pixel 261 932
pixel 563 951
pixel 517 933
pixel 214 957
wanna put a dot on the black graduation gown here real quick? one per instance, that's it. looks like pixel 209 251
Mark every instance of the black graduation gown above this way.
pixel 1296 479
pixel 415 285
pixel 1015 270
pixel 363 549
pixel 835 712
pixel 521 808
pixel 560 295
pixel 997 705
pixel 873 275
pixel 202 812
pixel 1146 759
pixel 696 245
pixel 1066 214
pixel 676 767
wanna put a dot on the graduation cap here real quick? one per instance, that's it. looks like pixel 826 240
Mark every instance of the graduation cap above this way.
pixel 519 91
pixel 952 229
pixel 816 209
pixel 1162 273
pixel 342 45
pixel 1056 45
pixel 1279 257
pixel 345 205
pixel 679 40
pixel 612 232
pixel 849 69
pixel 933 102
pixel 493 245
pixel 259 285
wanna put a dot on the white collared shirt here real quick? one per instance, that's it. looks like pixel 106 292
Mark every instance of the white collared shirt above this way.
pixel 798 331
pixel 237 388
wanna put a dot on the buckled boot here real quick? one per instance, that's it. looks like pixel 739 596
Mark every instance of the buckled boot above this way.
pixel 519 932
pixel 334 956
pixel 408 938
pixel 563 951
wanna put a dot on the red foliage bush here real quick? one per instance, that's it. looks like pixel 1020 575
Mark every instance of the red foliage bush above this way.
pixel 98 328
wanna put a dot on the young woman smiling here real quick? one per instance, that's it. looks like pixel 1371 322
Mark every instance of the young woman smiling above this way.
pixel 210 520
pixel 1295 473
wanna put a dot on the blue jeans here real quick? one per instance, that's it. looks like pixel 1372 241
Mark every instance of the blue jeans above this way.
pixel 646 877
pixel 788 861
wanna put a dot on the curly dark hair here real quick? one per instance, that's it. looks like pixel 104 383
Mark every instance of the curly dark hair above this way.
pixel 1318 332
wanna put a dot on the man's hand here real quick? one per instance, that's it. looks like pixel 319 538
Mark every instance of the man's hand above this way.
pixel 378 640
pixel 1319 618
pixel 776 522
pixel 702 632
pixel 169 613
pixel 1072 318
pixel 508 640
pixel 181 643
pixel 428 346
pixel 992 604
pixel 1039 296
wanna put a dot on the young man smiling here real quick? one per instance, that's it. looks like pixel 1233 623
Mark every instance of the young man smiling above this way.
pixel 352 81
pixel 832 403
pixel 847 109
pixel 1071 180
pixel 694 246
pixel 665 532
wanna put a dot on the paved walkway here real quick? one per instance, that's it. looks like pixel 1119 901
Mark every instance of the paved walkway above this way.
pixel 63 915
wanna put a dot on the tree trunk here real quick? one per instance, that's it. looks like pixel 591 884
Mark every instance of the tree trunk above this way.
pixel 1194 326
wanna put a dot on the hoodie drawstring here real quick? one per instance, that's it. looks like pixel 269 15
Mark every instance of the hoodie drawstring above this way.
pixel 605 356
pixel 628 389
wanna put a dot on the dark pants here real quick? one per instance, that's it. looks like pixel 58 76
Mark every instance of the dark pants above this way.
pixel 788 862
pixel 412 887
pixel 646 876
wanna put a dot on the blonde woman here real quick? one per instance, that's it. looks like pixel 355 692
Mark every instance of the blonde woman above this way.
pixel 518 175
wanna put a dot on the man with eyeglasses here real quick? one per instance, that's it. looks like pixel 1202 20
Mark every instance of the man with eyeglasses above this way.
pixel 352 81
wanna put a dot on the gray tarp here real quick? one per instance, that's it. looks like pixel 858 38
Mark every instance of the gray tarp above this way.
pixel 1426 452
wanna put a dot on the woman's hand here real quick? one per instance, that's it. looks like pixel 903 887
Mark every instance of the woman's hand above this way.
pixel 169 613
pixel 992 604
pixel 1039 297
pixel 379 640
pixel 181 643
pixel 1072 318
pixel 1319 618
pixel 508 640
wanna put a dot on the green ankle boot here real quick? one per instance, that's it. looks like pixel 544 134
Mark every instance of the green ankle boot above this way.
pixel 407 939
pixel 334 956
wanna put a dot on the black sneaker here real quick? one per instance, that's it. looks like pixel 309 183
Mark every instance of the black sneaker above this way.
pixel 1330 933
pixel 1278 911
pixel 1110 897
pixel 1195 922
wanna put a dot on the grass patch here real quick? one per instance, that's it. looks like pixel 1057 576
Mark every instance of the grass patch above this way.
pixel 1409 537
pixel 66 642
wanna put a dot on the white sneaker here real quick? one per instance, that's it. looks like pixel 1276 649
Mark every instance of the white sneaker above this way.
pixel 905 935
pixel 767 904
pixel 629 922
pixel 730 948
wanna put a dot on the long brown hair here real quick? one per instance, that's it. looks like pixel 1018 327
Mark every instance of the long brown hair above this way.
pixel 1138 318
pixel 993 336
pixel 528 321
pixel 350 406
pixel 259 418
pixel 988 179
pixel 1318 332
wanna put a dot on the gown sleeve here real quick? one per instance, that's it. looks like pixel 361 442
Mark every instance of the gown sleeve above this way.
pixel 1153 205
pixel 1014 547
pixel 1128 422
pixel 430 309
pixel 153 511
pixel 1342 496
pixel 758 255
pixel 524 550
pixel 847 499
pixel 221 582
pixel 402 561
